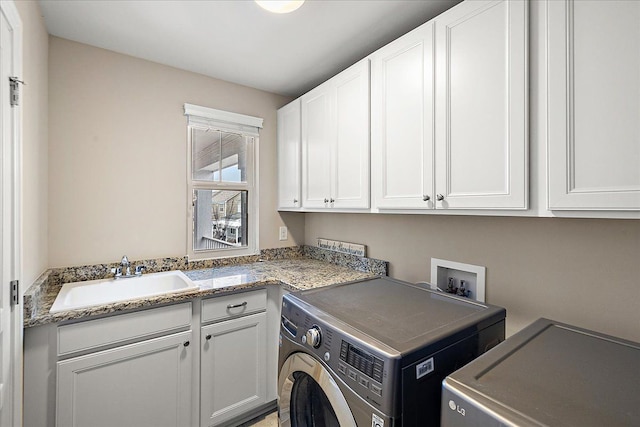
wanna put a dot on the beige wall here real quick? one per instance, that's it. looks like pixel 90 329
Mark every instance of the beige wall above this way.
pixel 34 141
pixel 117 154
pixel 580 271
pixel 117 185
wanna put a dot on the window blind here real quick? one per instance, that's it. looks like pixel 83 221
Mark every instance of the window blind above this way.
pixel 222 120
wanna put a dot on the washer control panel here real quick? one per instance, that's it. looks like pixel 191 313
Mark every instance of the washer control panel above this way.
pixel 361 368
pixel 363 361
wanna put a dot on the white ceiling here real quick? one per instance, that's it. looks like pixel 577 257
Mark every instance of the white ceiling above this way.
pixel 238 41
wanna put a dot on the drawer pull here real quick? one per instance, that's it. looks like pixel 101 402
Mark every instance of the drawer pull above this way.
pixel 208 337
pixel 230 306
pixel 186 343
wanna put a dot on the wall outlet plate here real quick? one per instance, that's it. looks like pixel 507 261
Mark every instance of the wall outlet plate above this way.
pixel 444 273
pixel 284 235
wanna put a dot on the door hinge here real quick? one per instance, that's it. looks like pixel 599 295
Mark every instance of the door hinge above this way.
pixel 15 287
pixel 14 90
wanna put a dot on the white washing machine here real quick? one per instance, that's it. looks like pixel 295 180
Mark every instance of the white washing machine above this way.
pixel 374 352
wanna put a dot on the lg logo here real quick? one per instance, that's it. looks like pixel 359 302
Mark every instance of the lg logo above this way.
pixel 455 407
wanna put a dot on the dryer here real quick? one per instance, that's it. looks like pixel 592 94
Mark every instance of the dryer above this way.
pixel 548 374
pixel 374 352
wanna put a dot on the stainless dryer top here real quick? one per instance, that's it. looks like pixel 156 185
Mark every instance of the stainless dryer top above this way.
pixel 399 314
pixel 557 374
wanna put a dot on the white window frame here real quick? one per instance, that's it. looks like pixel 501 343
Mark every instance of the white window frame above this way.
pixel 208 118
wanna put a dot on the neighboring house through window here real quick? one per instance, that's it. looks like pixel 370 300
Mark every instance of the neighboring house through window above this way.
pixel 222 183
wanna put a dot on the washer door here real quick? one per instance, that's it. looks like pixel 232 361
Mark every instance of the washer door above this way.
pixel 308 396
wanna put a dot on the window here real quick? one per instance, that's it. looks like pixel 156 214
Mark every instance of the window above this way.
pixel 222 183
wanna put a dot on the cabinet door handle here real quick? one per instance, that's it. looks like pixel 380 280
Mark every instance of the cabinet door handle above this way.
pixel 230 306
pixel 326 200
pixel 426 198
pixel 208 337
pixel 295 200
pixel 186 343
pixel 332 200
pixel 439 197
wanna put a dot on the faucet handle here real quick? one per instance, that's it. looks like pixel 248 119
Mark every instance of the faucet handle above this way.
pixel 139 269
pixel 117 271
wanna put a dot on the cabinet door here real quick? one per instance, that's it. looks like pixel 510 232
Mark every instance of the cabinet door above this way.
pixel 594 105
pixel 402 121
pixel 233 368
pixel 350 187
pixel 481 106
pixel 317 141
pixel 142 384
pixel 289 156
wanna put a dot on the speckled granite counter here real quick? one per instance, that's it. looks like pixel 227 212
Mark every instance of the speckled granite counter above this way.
pixel 294 268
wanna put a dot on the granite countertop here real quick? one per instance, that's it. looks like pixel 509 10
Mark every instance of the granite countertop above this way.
pixel 297 273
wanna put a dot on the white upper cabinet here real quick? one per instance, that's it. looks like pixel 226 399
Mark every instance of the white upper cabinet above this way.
pixel 594 105
pixel 402 122
pixel 335 141
pixel 288 142
pixel 317 141
pixel 481 106
pixel 449 112
pixel 350 186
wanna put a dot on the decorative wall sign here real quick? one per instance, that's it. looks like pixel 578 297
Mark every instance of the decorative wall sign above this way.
pixel 344 247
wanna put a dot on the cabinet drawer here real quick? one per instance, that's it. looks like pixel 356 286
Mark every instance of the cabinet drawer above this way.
pixel 124 327
pixel 230 306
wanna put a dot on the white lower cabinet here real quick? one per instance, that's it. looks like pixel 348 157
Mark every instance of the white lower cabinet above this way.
pixel 233 368
pixel 142 384
pixel 210 361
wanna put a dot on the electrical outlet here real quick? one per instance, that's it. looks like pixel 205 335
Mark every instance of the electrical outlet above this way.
pixel 283 233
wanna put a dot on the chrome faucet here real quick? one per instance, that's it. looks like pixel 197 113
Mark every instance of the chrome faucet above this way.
pixel 126 265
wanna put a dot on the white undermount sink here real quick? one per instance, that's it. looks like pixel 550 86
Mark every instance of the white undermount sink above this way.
pixel 92 293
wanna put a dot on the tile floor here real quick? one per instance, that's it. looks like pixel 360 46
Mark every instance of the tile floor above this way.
pixel 269 420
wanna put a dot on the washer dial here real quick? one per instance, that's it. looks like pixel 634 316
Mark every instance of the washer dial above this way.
pixel 314 337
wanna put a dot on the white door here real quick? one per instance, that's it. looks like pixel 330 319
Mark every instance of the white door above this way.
pixel 233 365
pixel 351 161
pixel 481 106
pixel 317 146
pixel 289 156
pixel 594 105
pixel 10 314
pixel 146 384
pixel 402 122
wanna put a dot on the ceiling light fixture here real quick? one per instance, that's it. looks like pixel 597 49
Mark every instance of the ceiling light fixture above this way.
pixel 280 6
